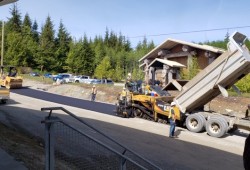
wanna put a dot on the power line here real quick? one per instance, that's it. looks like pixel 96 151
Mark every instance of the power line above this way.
pixel 188 32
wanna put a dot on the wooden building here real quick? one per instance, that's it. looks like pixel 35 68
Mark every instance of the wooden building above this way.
pixel 165 62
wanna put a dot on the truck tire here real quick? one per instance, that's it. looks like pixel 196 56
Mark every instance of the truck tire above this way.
pixel 195 122
pixel 3 101
pixel 77 81
pixel 203 119
pixel 225 124
pixel 216 127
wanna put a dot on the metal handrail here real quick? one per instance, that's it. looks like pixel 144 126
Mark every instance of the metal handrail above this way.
pixel 101 143
pixel 82 121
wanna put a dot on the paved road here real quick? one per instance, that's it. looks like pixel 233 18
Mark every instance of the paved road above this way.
pixel 190 151
pixel 70 101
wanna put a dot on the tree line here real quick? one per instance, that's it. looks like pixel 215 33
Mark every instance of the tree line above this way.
pixel 51 50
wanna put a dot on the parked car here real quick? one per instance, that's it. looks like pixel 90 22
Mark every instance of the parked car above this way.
pixel 70 79
pixel 61 76
pixel 34 74
pixel 47 75
pixel 81 79
pixel 101 81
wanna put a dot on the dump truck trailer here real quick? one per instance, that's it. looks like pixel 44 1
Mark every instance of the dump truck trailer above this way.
pixel 220 75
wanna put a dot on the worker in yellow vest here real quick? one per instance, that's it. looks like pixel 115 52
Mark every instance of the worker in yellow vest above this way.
pixel 171 118
pixel 123 93
pixel 93 93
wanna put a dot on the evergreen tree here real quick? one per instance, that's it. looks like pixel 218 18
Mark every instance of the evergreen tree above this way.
pixel 73 54
pixel 35 31
pixel 62 45
pixel 15 23
pixel 219 44
pixel 87 57
pixel 127 46
pixel 117 74
pixel 13 55
pixel 99 49
pixel 46 58
pixel 103 69
pixel 27 22
pixel 80 58
pixel 13 37
pixel 28 44
pixel 106 37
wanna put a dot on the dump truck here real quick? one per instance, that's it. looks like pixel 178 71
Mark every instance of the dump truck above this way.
pixel 9 78
pixel 214 80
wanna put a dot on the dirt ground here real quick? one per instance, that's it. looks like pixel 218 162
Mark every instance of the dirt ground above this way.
pixel 30 151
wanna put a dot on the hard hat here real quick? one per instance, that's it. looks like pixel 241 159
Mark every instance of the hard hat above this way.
pixel 129 74
pixel 93 85
pixel 172 104
pixel 124 88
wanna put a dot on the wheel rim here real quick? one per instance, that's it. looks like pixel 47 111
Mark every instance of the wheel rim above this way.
pixel 215 128
pixel 193 123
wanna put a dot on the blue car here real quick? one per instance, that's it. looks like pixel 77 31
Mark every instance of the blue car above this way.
pixel 47 75
pixel 61 77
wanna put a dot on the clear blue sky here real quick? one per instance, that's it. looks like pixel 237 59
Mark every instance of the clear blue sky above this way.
pixel 135 18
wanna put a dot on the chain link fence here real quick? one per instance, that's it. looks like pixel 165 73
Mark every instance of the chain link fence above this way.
pixel 70 148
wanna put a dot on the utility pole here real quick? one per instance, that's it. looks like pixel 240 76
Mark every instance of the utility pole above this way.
pixel 2 48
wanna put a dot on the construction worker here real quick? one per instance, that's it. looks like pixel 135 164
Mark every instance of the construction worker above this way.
pixel 129 83
pixel 247 115
pixel 129 78
pixel 93 93
pixel 124 92
pixel 171 118
pixel 147 89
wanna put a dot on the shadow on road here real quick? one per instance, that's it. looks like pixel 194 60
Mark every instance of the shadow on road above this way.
pixel 163 151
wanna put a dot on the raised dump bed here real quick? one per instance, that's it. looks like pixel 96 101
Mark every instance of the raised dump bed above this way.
pixel 220 75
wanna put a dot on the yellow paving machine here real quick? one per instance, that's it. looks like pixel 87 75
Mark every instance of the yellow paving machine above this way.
pixel 9 78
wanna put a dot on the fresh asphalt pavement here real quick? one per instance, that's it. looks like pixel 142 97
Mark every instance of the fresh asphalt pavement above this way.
pixel 8 162
pixel 190 151
pixel 65 100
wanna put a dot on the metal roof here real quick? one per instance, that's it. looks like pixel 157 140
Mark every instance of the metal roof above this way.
pixel 159 62
pixel 170 43
pixel 5 2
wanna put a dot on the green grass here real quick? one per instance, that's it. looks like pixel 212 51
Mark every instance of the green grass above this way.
pixel 40 78
pixel 233 93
